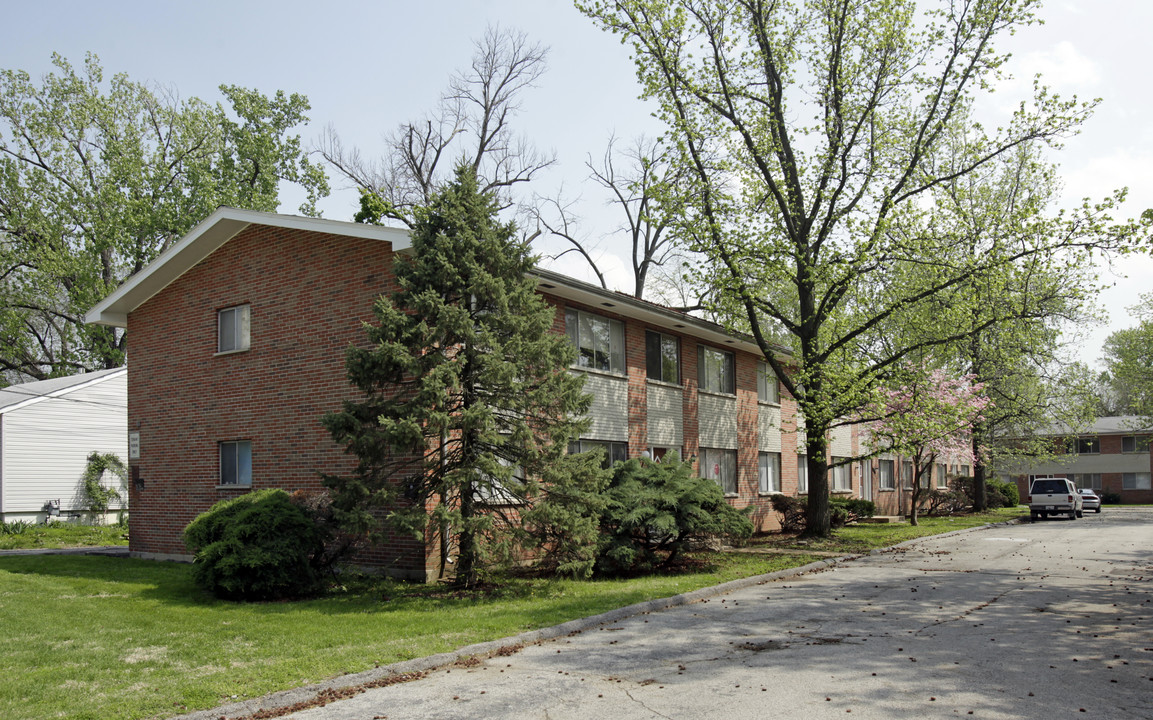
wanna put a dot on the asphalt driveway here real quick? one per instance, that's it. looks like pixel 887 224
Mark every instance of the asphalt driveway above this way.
pixel 1046 620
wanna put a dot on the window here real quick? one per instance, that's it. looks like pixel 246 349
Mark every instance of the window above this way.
pixel 942 475
pixel 600 342
pixel 907 475
pixel 615 452
pixel 842 475
pixel 236 463
pixel 866 473
pixel 802 473
pixel 663 357
pixel 1088 446
pixel 1087 480
pixel 965 471
pixel 885 474
pixel 1134 444
pixel 658 454
pixel 769 472
pixel 716 370
pixel 768 386
pixel 721 467
pixel 232 329
pixel 1135 481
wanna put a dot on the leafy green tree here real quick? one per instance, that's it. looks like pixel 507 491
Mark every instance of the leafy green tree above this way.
pixel 1129 364
pixel 97 178
pixel 467 407
pixel 818 137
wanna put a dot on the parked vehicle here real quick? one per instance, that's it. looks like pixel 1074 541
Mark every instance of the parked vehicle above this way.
pixel 1054 496
pixel 1090 500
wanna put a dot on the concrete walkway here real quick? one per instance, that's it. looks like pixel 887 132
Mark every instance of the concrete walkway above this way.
pixel 106 550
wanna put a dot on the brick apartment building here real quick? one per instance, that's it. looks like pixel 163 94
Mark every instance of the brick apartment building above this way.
pixel 1110 456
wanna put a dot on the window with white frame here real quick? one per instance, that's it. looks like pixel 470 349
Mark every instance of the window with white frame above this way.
pixel 716 370
pixel 720 466
pixel 600 341
pixel 1135 444
pixel 232 328
pixel 614 452
pixel 942 475
pixel 663 357
pixel 907 475
pixel 866 473
pixel 768 386
pixel 236 463
pixel 1135 481
pixel 769 472
pixel 842 475
pixel 885 476
pixel 802 473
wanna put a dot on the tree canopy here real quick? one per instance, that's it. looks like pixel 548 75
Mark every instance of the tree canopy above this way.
pixel 98 177
pixel 468 408
pixel 820 140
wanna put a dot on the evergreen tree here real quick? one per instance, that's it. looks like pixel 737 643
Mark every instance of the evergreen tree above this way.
pixel 467 407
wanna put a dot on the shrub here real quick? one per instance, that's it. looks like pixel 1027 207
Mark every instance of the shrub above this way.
pixel 97 497
pixel 336 543
pixel 855 509
pixel 791 510
pixel 1004 494
pixel 259 546
pixel 656 508
pixel 945 502
pixel 15 527
pixel 1110 498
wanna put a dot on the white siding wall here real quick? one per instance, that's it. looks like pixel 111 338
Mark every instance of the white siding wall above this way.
pixel 717 421
pixel 45 445
pixel 769 428
pixel 841 442
pixel 610 407
pixel 666 416
pixel 1105 463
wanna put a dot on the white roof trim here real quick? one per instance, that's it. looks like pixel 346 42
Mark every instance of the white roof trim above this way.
pixel 61 392
pixel 204 239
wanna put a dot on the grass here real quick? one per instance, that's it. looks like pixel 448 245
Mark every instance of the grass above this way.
pixel 27 536
pixel 96 637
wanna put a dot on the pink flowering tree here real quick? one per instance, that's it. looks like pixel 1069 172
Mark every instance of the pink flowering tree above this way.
pixel 931 416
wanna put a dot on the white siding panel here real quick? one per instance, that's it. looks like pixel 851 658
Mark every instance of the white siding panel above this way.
pixel 666 412
pixel 46 444
pixel 610 407
pixel 841 442
pixel 717 421
pixel 768 428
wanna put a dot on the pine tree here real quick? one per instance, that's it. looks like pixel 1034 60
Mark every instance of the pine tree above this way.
pixel 467 408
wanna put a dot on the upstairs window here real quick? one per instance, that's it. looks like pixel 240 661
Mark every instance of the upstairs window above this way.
pixel 716 370
pixel 1135 444
pixel 663 357
pixel 768 386
pixel 1088 446
pixel 600 342
pixel 236 463
pixel 232 329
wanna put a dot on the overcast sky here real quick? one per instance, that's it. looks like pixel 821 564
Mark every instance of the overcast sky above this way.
pixel 368 66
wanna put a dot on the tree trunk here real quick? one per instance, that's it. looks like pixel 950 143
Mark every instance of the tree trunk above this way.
pixel 817 516
pixel 980 497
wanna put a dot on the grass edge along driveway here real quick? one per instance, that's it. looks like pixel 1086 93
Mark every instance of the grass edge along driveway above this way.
pixel 96 637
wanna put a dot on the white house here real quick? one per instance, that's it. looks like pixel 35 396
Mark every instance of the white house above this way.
pixel 48 429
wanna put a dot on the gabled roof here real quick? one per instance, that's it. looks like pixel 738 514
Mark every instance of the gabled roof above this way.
pixel 200 242
pixel 1116 424
pixel 15 397
pixel 226 223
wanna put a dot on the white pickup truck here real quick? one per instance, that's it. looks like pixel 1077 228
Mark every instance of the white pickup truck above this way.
pixel 1054 496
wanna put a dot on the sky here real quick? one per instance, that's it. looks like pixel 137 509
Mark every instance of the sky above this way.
pixel 366 67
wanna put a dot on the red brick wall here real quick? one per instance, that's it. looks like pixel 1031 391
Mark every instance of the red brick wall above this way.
pixel 309 293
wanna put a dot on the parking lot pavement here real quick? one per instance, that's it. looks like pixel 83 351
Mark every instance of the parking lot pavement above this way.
pixel 1046 620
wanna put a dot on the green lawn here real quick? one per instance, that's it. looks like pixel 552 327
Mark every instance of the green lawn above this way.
pixel 23 536
pixel 98 637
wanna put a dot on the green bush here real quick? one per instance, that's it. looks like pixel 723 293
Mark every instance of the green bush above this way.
pixel 1110 498
pixel 1001 494
pixel 259 546
pixel 653 509
pixel 855 509
pixel 791 511
pixel 15 527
